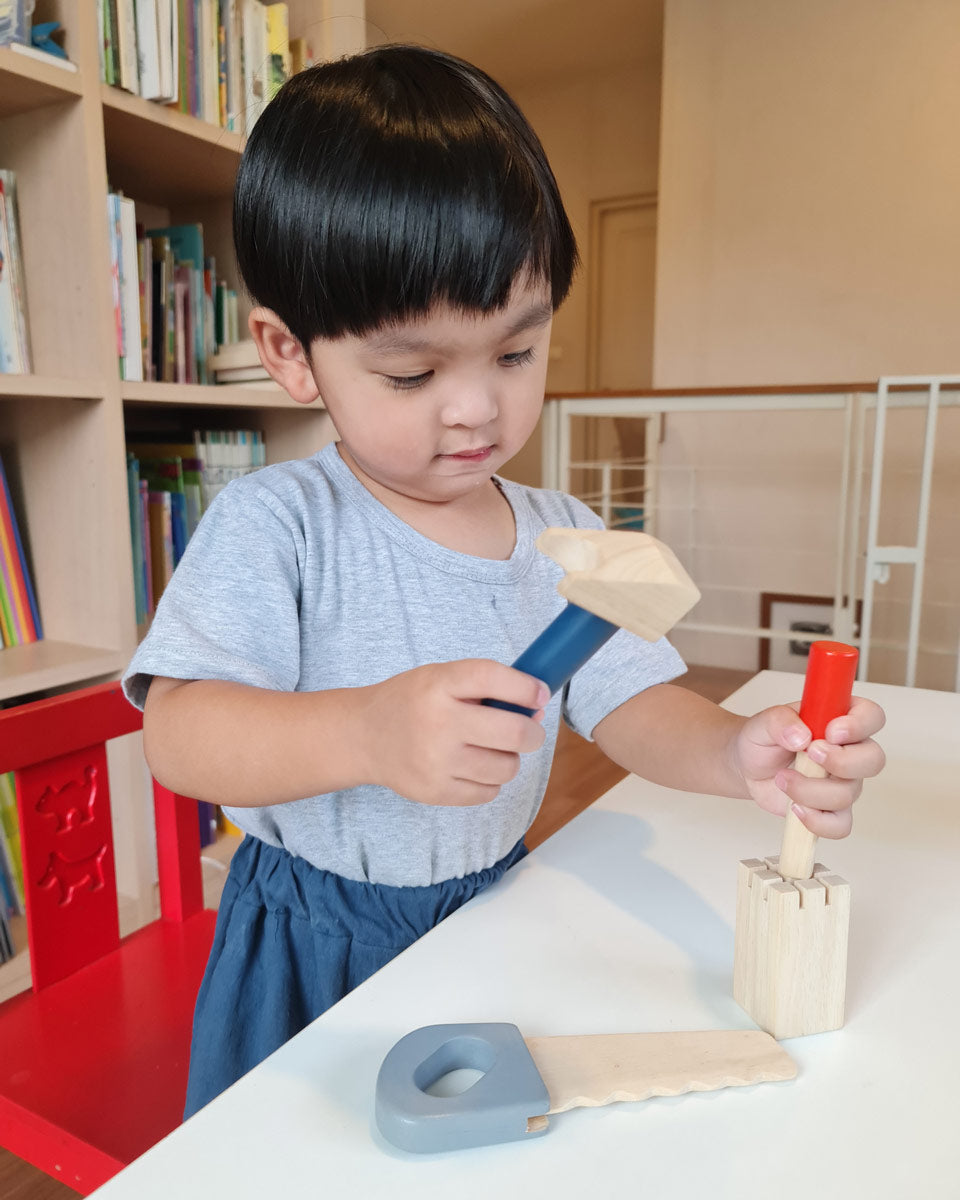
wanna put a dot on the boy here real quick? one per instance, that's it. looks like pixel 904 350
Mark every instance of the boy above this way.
pixel 317 662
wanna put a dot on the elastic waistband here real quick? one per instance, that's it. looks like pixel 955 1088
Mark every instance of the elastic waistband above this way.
pixel 376 914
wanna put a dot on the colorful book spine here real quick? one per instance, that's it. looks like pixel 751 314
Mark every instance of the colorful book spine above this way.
pixel 147 564
pixel 136 537
pixel 160 514
pixel 17 583
pixel 12 268
pixel 10 833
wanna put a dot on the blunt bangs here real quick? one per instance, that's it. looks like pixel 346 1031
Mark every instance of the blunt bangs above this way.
pixel 374 187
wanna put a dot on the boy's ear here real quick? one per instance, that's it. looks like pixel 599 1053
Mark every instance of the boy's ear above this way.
pixel 282 355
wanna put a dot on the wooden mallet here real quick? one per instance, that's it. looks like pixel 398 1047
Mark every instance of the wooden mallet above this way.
pixel 790 956
pixel 615 579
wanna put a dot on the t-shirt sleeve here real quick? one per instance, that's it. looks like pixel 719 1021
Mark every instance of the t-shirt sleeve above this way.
pixel 621 668
pixel 231 609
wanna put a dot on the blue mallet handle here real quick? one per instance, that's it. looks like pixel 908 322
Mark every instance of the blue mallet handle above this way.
pixel 561 650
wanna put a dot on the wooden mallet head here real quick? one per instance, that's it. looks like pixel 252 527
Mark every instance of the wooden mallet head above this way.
pixel 614 579
pixel 629 579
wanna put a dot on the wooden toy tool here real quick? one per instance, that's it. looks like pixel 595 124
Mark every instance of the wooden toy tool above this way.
pixel 615 579
pixel 790 955
pixel 525 1080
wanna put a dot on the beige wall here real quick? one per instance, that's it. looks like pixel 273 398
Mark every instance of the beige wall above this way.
pixel 809 232
pixel 600 132
pixel 809 179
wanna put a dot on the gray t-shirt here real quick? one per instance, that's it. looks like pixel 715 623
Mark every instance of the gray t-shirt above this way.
pixel 298 579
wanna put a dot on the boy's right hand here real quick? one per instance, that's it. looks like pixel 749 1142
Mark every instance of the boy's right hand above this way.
pixel 428 737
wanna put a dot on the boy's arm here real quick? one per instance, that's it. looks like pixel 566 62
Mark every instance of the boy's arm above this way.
pixel 672 736
pixel 422 733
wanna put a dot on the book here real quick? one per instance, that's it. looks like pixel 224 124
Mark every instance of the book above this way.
pixel 191 472
pixel 10 836
pixel 239 354
pixel 16 570
pixel 241 374
pixel 7 632
pixel 125 32
pixel 230 19
pixel 113 224
pixel 160 514
pixel 14 347
pixel 186 245
pixel 255 61
pixel 145 287
pixel 278 47
pixel 147 549
pixel 131 362
pixel 136 537
pixel 301 55
pixel 167 49
pixel 148 48
pixel 15 18
pixel 162 309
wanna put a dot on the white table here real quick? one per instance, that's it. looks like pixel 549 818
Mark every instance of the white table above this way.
pixel 623 921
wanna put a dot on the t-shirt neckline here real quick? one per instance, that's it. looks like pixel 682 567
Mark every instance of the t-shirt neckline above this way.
pixel 454 562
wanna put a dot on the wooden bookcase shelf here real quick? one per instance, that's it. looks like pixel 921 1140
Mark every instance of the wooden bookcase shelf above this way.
pixel 49 664
pixel 70 138
pixel 207 396
pixel 26 84
pixel 155 151
pixel 38 387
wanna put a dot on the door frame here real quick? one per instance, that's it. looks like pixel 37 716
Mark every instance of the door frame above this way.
pixel 598 210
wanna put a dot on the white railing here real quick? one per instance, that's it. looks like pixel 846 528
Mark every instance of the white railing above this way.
pixel 858 564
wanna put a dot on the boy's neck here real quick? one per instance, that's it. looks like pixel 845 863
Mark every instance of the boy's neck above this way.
pixel 480 523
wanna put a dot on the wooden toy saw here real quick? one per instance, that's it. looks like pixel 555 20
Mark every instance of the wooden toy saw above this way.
pixel 526 1080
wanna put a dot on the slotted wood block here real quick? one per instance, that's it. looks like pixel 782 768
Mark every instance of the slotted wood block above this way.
pixel 793 915
pixel 790 956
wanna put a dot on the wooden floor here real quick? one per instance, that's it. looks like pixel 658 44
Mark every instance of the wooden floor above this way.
pixel 580 775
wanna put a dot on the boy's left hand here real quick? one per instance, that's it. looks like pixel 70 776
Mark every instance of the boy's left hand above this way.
pixel 767 745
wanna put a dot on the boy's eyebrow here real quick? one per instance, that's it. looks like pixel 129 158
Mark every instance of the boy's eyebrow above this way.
pixel 394 340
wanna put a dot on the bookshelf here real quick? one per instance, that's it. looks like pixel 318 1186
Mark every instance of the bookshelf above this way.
pixel 70 138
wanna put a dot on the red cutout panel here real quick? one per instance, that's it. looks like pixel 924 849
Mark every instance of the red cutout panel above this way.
pixel 68 867
pixel 93 1062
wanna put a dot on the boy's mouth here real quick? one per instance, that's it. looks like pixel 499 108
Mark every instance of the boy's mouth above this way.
pixel 480 454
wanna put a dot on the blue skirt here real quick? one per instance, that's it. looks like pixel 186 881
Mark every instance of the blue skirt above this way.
pixel 291 940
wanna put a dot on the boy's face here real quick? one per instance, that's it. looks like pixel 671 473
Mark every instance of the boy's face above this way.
pixel 431 408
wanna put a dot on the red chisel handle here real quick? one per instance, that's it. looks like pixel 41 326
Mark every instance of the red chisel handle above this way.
pixel 827 690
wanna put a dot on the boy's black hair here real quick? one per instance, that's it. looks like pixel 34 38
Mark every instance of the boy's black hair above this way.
pixel 375 186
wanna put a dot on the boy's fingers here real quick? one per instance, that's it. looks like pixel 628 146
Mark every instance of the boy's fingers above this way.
pixel 860 760
pixel 467 793
pixel 483 679
pixel 826 824
pixel 511 733
pixel 830 795
pixel 779 726
pixel 491 767
pixel 862 721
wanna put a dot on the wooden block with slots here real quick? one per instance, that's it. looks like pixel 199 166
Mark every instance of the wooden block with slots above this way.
pixel 790 964
pixel 793 915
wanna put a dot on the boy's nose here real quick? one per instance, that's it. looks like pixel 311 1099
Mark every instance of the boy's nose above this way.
pixel 473 407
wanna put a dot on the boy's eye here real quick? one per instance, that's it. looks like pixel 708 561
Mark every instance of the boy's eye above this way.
pixel 406 383
pixel 518 358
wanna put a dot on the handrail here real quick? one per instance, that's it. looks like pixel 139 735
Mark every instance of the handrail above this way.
pixel 850 400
